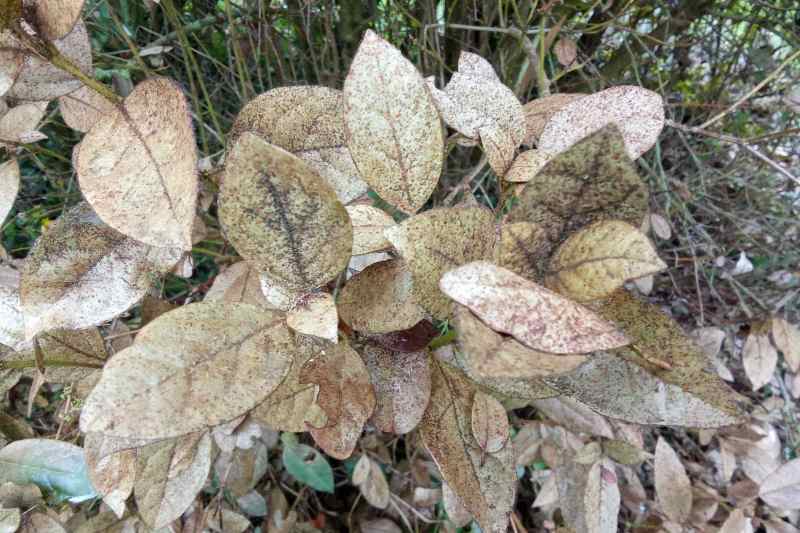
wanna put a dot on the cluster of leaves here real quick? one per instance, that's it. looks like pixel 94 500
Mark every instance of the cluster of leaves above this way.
pixel 326 324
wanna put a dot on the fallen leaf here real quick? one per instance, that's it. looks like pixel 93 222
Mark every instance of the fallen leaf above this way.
pixel 176 377
pixel 281 215
pixel 781 488
pixel 673 488
pixel 759 356
pixel 574 415
pixel 369 478
pixel 40 523
pixel 601 498
pixel 112 475
pixel 409 340
pixel 9 187
pixel 786 337
pixel 83 108
pixel 660 226
pixel 737 522
pixel 226 521
pixel 306 464
pixel 538 112
pixel 743 266
pixel 454 507
pixel 11 60
pixel 240 470
pixel 709 340
pixel 368 225
pixel 239 283
pixel 381 525
pixel 565 50
pixel 489 423
pixel 315 314
pixel 393 129
pixel 20 122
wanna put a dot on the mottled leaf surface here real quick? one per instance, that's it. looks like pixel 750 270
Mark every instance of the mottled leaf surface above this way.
pixel 9 186
pixel 489 422
pixel 56 18
pixel 315 314
pixel 83 108
pixel 368 225
pixel 18 124
pixel 759 356
pixel 538 112
pixel 112 475
pixel 673 487
pixel 781 488
pixel 239 283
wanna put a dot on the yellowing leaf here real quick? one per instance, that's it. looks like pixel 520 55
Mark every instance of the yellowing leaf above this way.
pixel 82 273
pixel 781 489
pixel 369 478
pixel 56 18
pixel 534 315
pixel 538 112
pixel 485 483
pixel 379 299
pixel 759 357
pixel 597 260
pixel 281 215
pixel 368 225
pixel 787 340
pixel 439 240
pixel 315 314
pixel 673 488
pixel 177 376
pixel 307 121
pixel 113 474
pixel 84 108
pixel 239 283
pixel 393 130
pixel 489 422
pixel 9 186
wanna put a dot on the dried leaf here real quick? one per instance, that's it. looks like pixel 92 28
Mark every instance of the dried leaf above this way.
pixel 454 507
pixel 402 384
pixel 56 18
pixel 565 50
pixel 781 489
pixel 534 315
pixel 379 299
pixel 368 225
pixel 82 273
pixel 526 166
pixel 169 474
pixel 413 339
pixel 84 108
pixel 281 215
pixel 239 283
pixel 574 415
pixel 737 522
pixel 315 314
pixel 306 464
pixel 176 377
pixel 489 423
pixel 393 130
pixel 137 167
pixel 439 240
pixel 660 226
pixel 759 357
pixel 226 521
pixel 381 525
pixel 9 520
pixel 709 340
pixel 524 249
pixel 113 475
pixel 11 60
pixel 307 121
pixel 9 187
pixel 85 349
pixel 12 325
pixel 369 478
pixel 601 498
pixel 239 471
pixel 17 125
pixel 673 488
pixel 485 483
pixel 40 523
pixel 786 337
pixel 538 113
pixel 597 260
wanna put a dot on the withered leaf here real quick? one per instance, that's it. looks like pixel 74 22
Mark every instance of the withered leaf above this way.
pixel 660 226
pixel 781 489
pixel 524 249
pixel 393 129
pixel 526 166
pixel 709 340
pixel 9 186
pixel 402 384
pixel 81 352
pixel 239 283
pixel 489 422
pixel 113 475
pixel 368 225
pixel 345 394
pixel 281 215
pixel 169 474
pixel 673 487
pixel 137 166
pixel 759 356
pixel 597 260
pixel 454 507
pixel 574 415
pixel 56 18
pixel 534 315
pixel 177 376
pixel 538 112
pixel 315 314
pixel 412 339
pixel 369 478
pixel 786 337
pixel 379 299
pixel 737 522
pixel 40 523
pixel 18 125
pixel 601 498
pixel 84 108
pixel 565 50
pixel 82 273
pixel 485 483
pixel 12 325
pixel 11 61
pixel 439 240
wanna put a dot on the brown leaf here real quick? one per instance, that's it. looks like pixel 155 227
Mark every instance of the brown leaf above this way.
pixel 660 226
pixel 413 339
pixel 239 283
pixel 56 18
pixel 177 376
pixel 137 167
pixel 538 113
pixel 565 50
pixel 526 166
pixel 759 356
pixel 601 498
pixel 226 521
pixel 485 483
pixel 19 124
pixel 454 507
pixel 393 130
pixel 113 474
pixel 11 60
pixel 737 522
pixel 489 423
pixel 84 348
pixel 281 215
pixel 369 478
pixel 709 340
pixel 368 225
pixel 9 186
pixel 524 249
pixel 315 314
pixel 574 415
pixel 786 337
pixel 307 121
pixel 673 488
pixel 402 384
pixel 84 108
pixel 781 489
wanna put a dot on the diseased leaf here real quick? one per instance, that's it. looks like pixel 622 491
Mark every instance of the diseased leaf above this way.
pixel 709 340
pixel 379 299
pixel 759 356
pixel 368 225
pixel 177 376
pixel 489 423
pixel 169 474
pixel 601 498
pixel 281 215
pixel 597 260
pixel 137 166
pixel 402 384
pixel 239 283
pixel 565 50
pixel 9 186
pixel 485 483
pixel 81 352
pixel 56 18
pixel 315 314
pixel 534 315
pixel 574 415
pixel 673 488
pixel 781 489
pixel 82 273
pixel 12 325
pixel 369 478
pixel 226 521
pixel 660 226
pixel 524 249
pixel 18 125
pixel 277 294
pixel 307 121
pixel 84 108
pixel 538 112
pixel 408 340
pixel 526 166
pixel 393 130
pixel 306 464
pixel 786 337
pixel 454 507
pixel 439 240
pixel 112 475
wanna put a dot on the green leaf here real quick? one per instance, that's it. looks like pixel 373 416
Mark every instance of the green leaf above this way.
pixel 306 464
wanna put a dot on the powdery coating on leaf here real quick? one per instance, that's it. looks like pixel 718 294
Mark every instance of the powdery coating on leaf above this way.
pixel 84 348
pixel 368 226
pixel 402 384
pixel 307 121
pixel 369 478
pixel 489 422
pixel 84 108
pixel 112 475
pixel 485 483
pixel 20 122
pixel 538 112
pixel 281 215
pixel 637 112
pixel 601 498
pixel 439 240
pixel 169 474
pixel 524 249
pixel 345 394
pixel 781 489
pixel 526 165
pixel 56 18
pixel 178 375
pixel 597 260
pixel 787 340
pixel 534 315
pixel 82 273
pixel 673 487
pixel 9 187
pixel 239 283
pixel 759 358
pixel 393 129
pixel 379 299
pixel 315 315
pixel 137 167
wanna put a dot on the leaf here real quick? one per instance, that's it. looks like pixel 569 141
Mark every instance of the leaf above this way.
pixel 787 339
pixel 526 166
pixel 574 415
pixel 169 474
pixel 81 352
pixel 345 394
pixel 82 273
pixel 53 465
pixel 601 498
pixel 307 121
pixel 368 226
pixel 18 125
pixel 454 507
pixel 489 423
pixel 40 523
pixel 281 215
pixel 673 488
pixel 9 186
pixel 380 525
pixel 393 130
pixel 137 167
pixel 524 249
pixel 660 226
pixel 709 340
pixel 56 18
pixel 112 475
pixel 176 378
pixel 485 483
pixel 369 478
pixel 439 240
pixel 306 464
pixel 379 299
pixel 597 260
pixel 315 314
pixel 9 520
pixel 759 357
pixel 402 384
pixel 737 522
pixel 534 315
pixel 239 283
pixel 538 112
pixel 11 61
pixel 413 339
pixel 565 50
pixel 781 489
pixel 12 325
pixel 227 521
pixel 84 108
